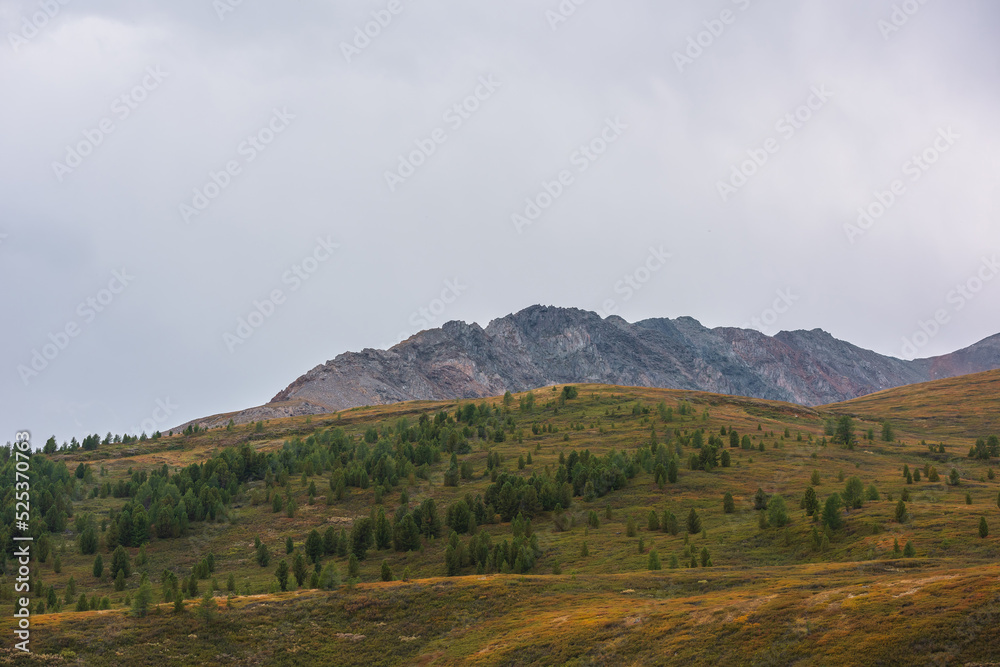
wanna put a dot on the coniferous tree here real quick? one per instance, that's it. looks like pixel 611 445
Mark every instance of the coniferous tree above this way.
pixel 362 534
pixel 909 551
pixel 330 541
pixel 343 545
pixel 207 607
pixel 670 523
pixel 984 528
pixel 672 468
pixel 282 574
pixel 693 522
pixel 140 603
pixel 706 559
pixel 314 546
pixel 900 512
pixel 263 555
pixel 330 578
pixel 630 527
pixel 88 541
pixel 810 502
pixel 386 571
pixel 383 531
pixel 98 569
pixel 289 545
pixel 760 500
pixel 653 522
pixel 831 512
pixel 120 562
pixel 299 569
pixel 844 433
pixel 777 512
pixel 353 567
pixel 653 562
pixel 853 495
pixel 728 504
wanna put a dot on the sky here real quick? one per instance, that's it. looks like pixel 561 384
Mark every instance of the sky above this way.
pixel 201 200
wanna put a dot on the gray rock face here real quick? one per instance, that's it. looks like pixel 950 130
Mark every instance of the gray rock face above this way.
pixel 543 345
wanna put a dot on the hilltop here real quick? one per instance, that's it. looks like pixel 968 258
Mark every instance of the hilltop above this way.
pixel 522 528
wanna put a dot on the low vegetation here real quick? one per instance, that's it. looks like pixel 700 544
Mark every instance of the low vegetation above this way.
pixel 576 524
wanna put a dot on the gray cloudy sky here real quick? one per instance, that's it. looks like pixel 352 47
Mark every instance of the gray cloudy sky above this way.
pixel 164 166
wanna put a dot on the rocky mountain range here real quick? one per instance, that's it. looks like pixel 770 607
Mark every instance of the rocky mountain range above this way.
pixel 541 346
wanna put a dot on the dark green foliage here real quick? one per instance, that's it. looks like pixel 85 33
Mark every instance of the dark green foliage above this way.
pixel 844 433
pixel 362 537
pixel 120 562
pixel 984 528
pixel 854 491
pixel 831 512
pixel 299 569
pixel 777 512
pixel 314 545
pixel 810 502
pixel 88 541
pixel 670 524
pixel 760 499
pixel 353 567
pixel 728 504
pixel 672 468
pixel 888 435
pixel 263 555
pixel 282 574
pixel 693 522
pixel 98 569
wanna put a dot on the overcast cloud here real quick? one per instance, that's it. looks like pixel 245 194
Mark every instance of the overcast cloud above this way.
pixel 158 100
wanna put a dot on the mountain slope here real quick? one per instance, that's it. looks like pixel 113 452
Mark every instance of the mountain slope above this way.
pixel 540 346
pixel 964 406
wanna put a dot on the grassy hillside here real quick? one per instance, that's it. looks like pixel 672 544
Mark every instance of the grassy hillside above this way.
pixel 965 406
pixel 574 586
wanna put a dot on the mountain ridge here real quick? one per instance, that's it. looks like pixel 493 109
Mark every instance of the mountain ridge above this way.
pixel 545 345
